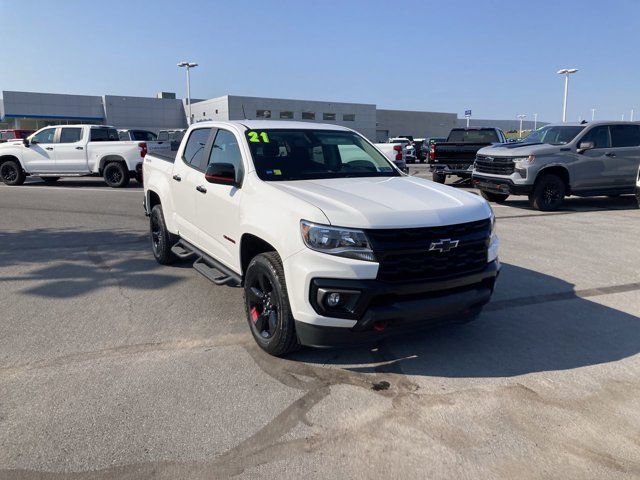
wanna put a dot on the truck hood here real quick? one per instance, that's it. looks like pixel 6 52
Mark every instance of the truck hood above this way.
pixel 388 202
pixel 520 150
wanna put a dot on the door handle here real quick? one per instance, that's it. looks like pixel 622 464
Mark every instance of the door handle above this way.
pixel 609 154
pixel 48 148
pixel 177 178
pixel 201 189
pixel 79 148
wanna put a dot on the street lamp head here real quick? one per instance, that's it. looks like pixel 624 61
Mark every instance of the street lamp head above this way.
pixel 191 65
pixel 187 64
pixel 183 64
pixel 567 70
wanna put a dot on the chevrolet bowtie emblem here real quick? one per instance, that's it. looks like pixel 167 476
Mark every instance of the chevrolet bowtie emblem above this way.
pixel 444 245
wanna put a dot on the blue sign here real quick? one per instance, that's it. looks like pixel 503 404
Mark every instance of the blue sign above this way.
pixel 467 113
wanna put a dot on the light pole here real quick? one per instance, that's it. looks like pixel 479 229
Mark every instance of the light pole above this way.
pixel 566 72
pixel 535 122
pixel 632 112
pixel 593 114
pixel 521 117
pixel 188 65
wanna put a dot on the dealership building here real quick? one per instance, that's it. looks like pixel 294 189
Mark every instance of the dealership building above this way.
pixel 30 110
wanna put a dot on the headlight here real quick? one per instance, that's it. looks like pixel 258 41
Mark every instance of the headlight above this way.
pixel 343 242
pixel 524 161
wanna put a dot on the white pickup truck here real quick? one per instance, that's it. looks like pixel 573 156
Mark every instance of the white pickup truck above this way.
pixel 331 243
pixel 72 151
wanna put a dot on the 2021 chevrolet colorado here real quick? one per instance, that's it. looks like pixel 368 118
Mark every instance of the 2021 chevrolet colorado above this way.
pixel 331 243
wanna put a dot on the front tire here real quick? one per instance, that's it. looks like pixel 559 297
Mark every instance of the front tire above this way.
pixel 267 305
pixel 116 175
pixel 11 173
pixel 494 197
pixel 548 194
pixel 439 177
pixel 161 239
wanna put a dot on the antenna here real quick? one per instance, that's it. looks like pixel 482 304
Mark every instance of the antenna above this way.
pixel 244 115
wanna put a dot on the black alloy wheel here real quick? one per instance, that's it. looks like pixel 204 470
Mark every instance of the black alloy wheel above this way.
pixel 264 306
pixel 11 173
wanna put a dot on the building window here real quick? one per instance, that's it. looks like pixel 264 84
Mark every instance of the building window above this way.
pixel 263 113
pixel 329 116
pixel 349 117
pixel 308 116
pixel 286 115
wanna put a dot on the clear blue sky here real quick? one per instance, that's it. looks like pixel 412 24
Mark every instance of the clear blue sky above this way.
pixel 497 57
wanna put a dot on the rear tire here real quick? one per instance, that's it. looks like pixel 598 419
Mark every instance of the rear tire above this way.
pixel 116 175
pixel 161 239
pixel 11 173
pixel 139 178
pixel 439 177
pixel 548 193
pixel 494 197
pixel 50 179
pixel 267 306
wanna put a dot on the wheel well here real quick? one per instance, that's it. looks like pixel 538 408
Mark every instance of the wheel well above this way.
pixel 109 159
pixel 7 158
pixel 154 199
pixel 558 171
pixel 250 246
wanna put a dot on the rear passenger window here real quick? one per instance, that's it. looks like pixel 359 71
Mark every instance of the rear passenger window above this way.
pixel 599 136
pixel 70 135
pixel 625 135
pixel 104 135
pixel 225 149
pixel 194 149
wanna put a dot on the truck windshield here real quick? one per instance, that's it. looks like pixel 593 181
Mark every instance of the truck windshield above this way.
pixel 554 135
pixel 488 135
pixel 306 154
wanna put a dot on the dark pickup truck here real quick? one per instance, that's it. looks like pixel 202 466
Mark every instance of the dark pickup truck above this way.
pixel 457 154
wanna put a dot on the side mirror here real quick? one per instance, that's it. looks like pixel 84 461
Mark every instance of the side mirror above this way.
pixel 25 141
pixel 584 146
pixel 221 173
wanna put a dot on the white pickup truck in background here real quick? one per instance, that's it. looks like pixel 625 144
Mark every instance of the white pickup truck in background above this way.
pixel 396 153
pixel 72 151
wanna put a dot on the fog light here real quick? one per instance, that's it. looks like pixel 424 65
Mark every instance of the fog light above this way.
pixel 333 300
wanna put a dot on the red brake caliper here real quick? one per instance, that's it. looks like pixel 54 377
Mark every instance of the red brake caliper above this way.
pixel 254 314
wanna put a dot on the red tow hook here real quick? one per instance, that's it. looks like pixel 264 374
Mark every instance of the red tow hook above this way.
pixel 380 325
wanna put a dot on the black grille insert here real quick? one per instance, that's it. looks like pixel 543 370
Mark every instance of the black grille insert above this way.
pixel 494 165
pixel 404 254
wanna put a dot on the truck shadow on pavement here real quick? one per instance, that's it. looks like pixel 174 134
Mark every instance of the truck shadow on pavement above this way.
pixel 579 204
pixel 536 323
pixel 67 263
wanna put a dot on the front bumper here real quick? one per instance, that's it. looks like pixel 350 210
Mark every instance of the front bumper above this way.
pixel 463 170
pixel 384 309
pixel 500 185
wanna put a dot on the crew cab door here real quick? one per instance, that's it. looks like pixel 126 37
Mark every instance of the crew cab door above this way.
pixel 218 206
pixel 625 143
pixel 39 156
pixel 70 150
pixel 188 173
pixel 595 168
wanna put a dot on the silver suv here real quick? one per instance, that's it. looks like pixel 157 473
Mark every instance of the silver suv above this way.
pixel 599 158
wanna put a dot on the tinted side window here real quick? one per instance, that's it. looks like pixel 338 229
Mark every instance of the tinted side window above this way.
pixel 104 135
pixel 45 136
pixel 625 135
pixel 123 136
pixel 143 136
pixel 226 150
pixel 599 136
pixel 70 135
pixel 194 149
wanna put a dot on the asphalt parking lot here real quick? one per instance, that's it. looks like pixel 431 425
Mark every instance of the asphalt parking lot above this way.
pixel 112 366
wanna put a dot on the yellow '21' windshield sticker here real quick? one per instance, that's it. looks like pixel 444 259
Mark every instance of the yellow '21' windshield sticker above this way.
pixel 257 137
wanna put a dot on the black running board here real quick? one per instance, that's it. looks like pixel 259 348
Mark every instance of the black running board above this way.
pixel 206 265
